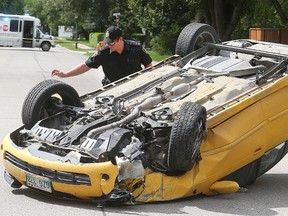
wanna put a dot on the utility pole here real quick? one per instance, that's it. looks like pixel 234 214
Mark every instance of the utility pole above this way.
pixel 76 29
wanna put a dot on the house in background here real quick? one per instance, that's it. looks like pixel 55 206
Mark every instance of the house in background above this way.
pixel 65 31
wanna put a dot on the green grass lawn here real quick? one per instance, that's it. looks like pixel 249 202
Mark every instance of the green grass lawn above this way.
pixel 156 56
pixel 69 44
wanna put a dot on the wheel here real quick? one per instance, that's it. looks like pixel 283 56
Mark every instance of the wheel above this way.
pixel 187 134
pixel 38 103
pixel 192 37
pixel 45 46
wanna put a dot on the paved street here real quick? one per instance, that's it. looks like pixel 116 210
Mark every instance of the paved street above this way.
pixel 21 69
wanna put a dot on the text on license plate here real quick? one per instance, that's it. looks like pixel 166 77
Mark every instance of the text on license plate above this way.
pixel 38 183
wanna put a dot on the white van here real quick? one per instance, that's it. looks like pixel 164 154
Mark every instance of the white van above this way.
pixel 23 31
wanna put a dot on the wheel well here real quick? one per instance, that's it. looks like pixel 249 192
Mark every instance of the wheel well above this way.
pixel 45 42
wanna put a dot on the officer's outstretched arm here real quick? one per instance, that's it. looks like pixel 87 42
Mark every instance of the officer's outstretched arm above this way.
pixel 79 69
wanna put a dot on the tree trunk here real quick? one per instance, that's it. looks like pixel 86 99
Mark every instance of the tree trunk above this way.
pixel 236 15
pixel 219 17
pixel 280 11
pixel 223 15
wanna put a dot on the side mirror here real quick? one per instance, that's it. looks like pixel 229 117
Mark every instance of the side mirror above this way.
pixel 224 187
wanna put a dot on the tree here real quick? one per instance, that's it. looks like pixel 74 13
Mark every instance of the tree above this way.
pixel 280 10
pixel 259 14
pixel 128 22
pixel 11 6
pixel 223 15
pixel 98 15
pixel 164 19
pixel 37 8
pixel 91 15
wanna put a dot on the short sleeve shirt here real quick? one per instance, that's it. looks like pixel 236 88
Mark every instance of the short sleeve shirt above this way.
pixel 117 66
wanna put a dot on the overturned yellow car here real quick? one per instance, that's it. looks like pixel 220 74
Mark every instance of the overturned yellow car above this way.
pixel 208 120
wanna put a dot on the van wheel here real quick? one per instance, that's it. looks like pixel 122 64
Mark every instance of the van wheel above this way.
pixel 192 37
pixel 187 134
pixel 45 46
pixel 39 102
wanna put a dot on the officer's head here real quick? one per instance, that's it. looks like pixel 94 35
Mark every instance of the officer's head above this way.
pixel 114 39
pixel 113 33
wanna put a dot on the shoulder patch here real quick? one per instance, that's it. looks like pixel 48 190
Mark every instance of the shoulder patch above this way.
pixel 101 46
pixel 104 47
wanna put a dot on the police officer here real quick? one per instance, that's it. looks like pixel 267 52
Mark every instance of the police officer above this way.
pixel 118 58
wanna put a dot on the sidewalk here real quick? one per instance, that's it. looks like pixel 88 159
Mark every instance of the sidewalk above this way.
pixel 87 48
pixel 79 45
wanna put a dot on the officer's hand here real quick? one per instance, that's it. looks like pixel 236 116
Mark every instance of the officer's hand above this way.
pixel 58 73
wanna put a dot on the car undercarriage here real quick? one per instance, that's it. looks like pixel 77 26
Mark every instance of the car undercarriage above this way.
pixel 169 122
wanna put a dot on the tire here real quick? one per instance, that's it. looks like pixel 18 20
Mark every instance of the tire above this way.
pixel 45 46
pixel 187 134
pixel 192 37
pixel 38 102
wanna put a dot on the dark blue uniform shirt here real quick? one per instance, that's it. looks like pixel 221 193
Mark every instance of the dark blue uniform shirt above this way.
pixel 117 66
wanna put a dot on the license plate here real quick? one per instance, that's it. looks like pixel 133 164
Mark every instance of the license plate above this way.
pixel 39 183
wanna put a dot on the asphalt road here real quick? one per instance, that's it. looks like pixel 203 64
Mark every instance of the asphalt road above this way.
pixel 21 69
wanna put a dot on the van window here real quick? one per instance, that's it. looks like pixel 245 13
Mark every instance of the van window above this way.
pixel 14 25
pixel 37 33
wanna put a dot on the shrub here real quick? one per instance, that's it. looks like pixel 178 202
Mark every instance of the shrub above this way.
pixel 96 37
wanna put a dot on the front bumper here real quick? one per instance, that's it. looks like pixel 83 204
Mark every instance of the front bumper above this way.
pixel 95 181
pixel 84 181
